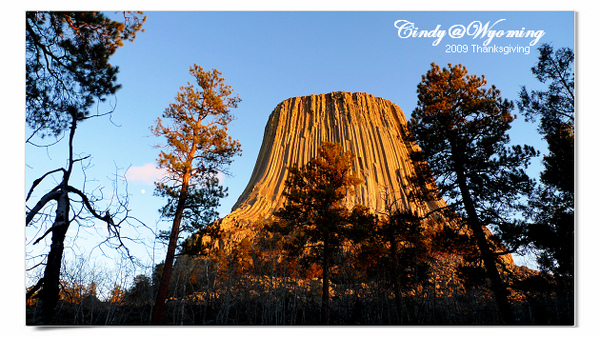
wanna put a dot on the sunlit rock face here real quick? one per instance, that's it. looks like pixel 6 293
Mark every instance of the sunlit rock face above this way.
pixel 372 128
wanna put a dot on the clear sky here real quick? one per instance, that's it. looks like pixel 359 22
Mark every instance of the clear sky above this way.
pixel 268 57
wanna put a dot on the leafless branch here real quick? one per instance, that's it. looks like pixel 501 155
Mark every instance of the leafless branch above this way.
pixel 52 195
pixel 39 180
pixel 35 266
pixel 106 217
pixel 45 234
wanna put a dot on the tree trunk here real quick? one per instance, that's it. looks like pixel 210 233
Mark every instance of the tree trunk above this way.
pixel 325 291
pixel 498 287
pixel 49 295
pixel 168 268
pixel 394 276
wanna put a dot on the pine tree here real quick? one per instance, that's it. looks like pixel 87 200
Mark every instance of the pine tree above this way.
pixel 197 149
pixel 314 217
pixel 67 71
pixel 67 68
pixel 551 231
pixel 462 129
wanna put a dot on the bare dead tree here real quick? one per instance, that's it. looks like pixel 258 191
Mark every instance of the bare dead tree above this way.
pixel 56 211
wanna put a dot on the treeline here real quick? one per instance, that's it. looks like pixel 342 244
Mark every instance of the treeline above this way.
pixel 253 284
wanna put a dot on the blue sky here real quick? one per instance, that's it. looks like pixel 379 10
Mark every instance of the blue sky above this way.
pixel 268 57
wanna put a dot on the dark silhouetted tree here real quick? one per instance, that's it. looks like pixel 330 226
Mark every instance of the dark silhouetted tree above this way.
pixel 197 149
pixel 551 231
pixel 67 68
pixel 408 254
pixel 396 246
pixel 67 71
pixel 462 129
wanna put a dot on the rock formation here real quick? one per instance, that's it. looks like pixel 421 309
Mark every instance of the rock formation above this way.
pixel 376 131
pixel 372 128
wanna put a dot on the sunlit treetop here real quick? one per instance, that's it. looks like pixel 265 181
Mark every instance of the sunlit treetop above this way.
pixel 195 128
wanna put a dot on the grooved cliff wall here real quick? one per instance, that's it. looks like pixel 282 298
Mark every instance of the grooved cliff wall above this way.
pixel 370 127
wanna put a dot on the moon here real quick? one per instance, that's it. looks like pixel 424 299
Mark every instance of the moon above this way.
pixel 143 191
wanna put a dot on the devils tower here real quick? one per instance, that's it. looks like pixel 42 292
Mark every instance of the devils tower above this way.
pixel 372 128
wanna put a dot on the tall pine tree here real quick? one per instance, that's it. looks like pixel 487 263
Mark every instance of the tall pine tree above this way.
pixel 461 128
pixel 197 149
pixel 552 217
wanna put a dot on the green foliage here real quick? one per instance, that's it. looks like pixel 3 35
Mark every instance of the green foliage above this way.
pixel 200 205
pixel 67 64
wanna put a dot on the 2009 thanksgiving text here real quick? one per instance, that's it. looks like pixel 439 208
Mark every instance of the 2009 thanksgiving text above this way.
pixel 475 29
pixel 490 49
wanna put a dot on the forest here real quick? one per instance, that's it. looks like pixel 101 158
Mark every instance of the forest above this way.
pixel 315 261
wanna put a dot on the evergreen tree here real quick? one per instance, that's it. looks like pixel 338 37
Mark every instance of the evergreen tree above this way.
pixel 551 232
pixel 67 68
pixel 198 148
pixel 397 246
pixel 462 129
pixel 314 217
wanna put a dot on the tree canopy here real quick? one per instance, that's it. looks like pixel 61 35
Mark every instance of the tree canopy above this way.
pixel 550 231
pixel 67 68
pixel 315 218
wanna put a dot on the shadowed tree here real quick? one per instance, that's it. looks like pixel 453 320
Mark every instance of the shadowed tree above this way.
pixel 551 232
pixel 197 149
pixel 462 129
pixel 407 256
pixel 314 217
pixel 67 71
